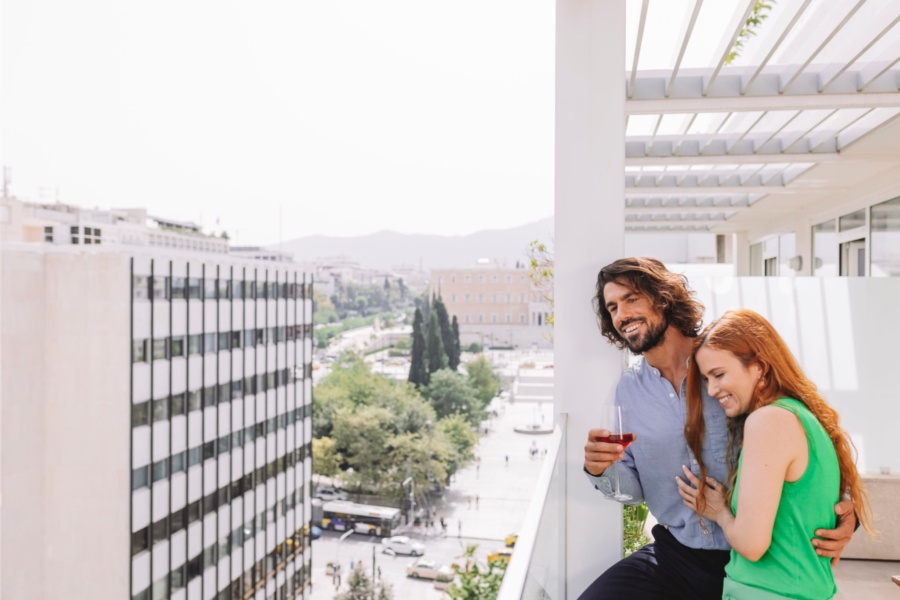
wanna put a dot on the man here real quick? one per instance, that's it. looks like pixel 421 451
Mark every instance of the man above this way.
pixel 649 310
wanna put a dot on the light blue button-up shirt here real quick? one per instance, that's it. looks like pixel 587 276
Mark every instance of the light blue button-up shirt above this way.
pixel 657 413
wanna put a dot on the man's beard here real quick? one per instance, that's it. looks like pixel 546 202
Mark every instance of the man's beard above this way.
pixel 650 340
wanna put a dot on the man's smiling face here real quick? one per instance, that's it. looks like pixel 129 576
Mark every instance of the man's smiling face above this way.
pixel 640 324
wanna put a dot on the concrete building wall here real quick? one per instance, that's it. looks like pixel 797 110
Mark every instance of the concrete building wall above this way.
pixel 65 425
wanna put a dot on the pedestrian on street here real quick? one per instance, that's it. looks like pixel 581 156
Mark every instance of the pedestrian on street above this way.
pixel 379 573
pixel 459 530
pixel 507 460
pixel 476 501
pixel 469 500
pixel 443 527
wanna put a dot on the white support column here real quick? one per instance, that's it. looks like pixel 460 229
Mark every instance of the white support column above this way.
pixel 590 232
pixel 741 254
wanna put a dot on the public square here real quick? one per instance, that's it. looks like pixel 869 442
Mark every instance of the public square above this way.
pixel 485 502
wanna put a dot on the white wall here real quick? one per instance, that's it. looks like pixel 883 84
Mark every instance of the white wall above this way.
pixel 844 333
pixel 66 472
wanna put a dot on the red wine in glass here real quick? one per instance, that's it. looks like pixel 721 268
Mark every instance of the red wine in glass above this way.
pixel 623 439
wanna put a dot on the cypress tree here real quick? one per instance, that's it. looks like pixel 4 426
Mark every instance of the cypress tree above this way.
pixel 434 347
pixel 453 357
pixel 418 369
pixel 446 333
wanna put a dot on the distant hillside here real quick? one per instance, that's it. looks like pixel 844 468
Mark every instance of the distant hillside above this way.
pixel 386 249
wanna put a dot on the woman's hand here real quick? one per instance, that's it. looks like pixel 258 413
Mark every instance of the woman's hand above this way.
pixel 713 491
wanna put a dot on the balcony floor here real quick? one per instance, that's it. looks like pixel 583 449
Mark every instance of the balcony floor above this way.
pixel 869 579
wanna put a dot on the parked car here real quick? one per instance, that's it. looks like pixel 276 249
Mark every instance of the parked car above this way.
pixel 401 544
pixel 499 555
pixel 329 493
pixel 314 532
pixel 511 540
pixel 423 568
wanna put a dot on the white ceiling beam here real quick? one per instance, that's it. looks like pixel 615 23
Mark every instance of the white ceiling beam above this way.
pixel 869 75
pixel 738 20
pixel 821 47
pixel 740 103
pixel 786 29
pixel 729 159
pixel 663 210
pixel 832 78
pixel 631 192
pixel 637 48
pixel 687 28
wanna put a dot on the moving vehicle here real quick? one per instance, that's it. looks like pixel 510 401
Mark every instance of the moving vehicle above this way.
pixel 401 544
pixel 511 540
pixel 329 493
pixel 365 519
pixel 423 568
pixel 499 555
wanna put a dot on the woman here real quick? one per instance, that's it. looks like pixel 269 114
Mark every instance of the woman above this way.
pixel 794 461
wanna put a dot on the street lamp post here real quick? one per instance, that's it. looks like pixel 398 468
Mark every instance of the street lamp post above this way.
pixel 337 551
pixel 412 499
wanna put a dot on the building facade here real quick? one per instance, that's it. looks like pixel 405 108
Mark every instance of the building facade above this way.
pixel 156 424
pixel 496 306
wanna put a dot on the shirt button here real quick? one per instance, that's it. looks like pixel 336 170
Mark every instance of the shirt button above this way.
pixel 671 395
pixel 694 461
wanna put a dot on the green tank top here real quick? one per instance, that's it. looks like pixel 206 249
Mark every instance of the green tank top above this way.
pixel 790 567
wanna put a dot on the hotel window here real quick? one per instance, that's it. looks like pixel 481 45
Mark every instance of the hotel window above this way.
pixel 481 298
pixel 48 233
pixel 195 344
pixel 493 318
pixel 509 318
pixel 194 288
pixel 140 541
pixel 91 235
pixel 237 290
pixel 195 399
pixel 495 298
pixel 468 278
pixel 161 349
pixel 522 319
pixel 481 318
pixel 452 297
pixel 225 340
pixel 209 396
pixel 209 289
pixel 73 231
pixel 467 318
pixel 481 279
pixel 494 279
pixel 466 298
pixel 160 409
pixel 453 279
pixel 140 477
pixel 177 346
pixel 140 414
pixel 160 469
pixel 141 285
pixel 509 279
pixel 139 351
pixel 178 288
pixel 225 289
pixel 249 337
pixel 235 339
pixel 885 239
pixel 209 343
pixel 160 287
pixel 178 404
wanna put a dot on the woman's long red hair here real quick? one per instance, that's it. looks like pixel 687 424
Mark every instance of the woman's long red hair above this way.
pixel 753 340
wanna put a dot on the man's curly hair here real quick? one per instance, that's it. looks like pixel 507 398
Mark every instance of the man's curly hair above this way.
pixel 667 291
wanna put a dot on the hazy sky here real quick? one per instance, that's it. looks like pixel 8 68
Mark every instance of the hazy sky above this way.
pixel 343 117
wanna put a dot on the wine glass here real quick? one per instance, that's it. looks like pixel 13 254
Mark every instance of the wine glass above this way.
pixel 612 420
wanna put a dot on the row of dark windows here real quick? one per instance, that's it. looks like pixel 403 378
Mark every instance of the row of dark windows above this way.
pixel 197 288
pixel 145 538
pixel 144 350
pixel 185 402
pixel 241 587
pixel 182 461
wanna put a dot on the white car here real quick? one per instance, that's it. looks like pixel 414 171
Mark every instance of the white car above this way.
pixel 401 544
pixel 423 568
pixel 327 493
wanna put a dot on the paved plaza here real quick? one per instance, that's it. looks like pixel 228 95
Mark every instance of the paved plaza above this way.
pixel 485 502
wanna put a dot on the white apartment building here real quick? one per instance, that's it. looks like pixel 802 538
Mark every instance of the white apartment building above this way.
pixel 156 423
pixel 495 305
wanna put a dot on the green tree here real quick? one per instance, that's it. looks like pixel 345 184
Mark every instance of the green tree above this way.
pixel 477 581
pixel 418 367
pixel 326 459
pixel 362 435
pixel 449 393
pixel 434 346
pixel 453 357
pixel 360 587
pixel 404 291
pixel 483 379
pixel 462 440
pixel 443 320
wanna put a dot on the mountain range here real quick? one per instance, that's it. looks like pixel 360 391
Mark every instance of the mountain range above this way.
pixel 386 249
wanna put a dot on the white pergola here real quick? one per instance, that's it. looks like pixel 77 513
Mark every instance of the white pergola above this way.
pixel 655 132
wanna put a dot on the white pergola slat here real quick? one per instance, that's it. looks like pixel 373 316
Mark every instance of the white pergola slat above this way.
pixel 710 139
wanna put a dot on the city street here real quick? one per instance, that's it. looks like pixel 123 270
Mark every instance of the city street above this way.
pixel 486 502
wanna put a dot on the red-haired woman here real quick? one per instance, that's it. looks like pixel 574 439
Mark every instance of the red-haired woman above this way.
pixel 793 461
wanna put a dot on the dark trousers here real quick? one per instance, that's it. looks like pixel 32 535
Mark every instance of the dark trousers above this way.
pixel 664 570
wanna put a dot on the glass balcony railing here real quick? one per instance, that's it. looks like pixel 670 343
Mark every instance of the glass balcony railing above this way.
pixel 537 568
